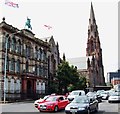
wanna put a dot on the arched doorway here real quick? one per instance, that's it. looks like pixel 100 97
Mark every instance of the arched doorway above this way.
pixel 29 89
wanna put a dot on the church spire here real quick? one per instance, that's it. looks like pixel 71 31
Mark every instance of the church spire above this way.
pixel 92 16
pixel 94 53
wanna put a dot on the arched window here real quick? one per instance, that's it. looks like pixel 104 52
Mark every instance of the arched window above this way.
pixel 12 86
pixel 6 84
pixel 7 65
pixel 18 66
pixel 35 69
pixel 32 53
pixel 39 54
pixel 43 87
pixel 28 51
pixel 12 65
pixel 27 66
pixel 40 70
pixel 8 44
pixel 44 55
pixel 3 42
pixel 18 47
pixel 36 53
pixel 17 86
pixel 13 44
pixel 40 87
pixel 40 51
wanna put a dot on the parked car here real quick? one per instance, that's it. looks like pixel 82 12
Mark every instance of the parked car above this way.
pixel 95 96
pixel 115 97
pixel 53 103
pixel 40 100
pixel 75 93
pixel 105 95
pixel 99 92
pixel 82 104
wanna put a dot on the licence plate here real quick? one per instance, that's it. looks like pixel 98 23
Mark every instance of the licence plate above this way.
pixel 73 110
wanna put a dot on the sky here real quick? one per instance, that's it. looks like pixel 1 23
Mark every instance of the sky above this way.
pixel 69 20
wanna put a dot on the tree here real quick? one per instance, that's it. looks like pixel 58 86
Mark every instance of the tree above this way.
pixel 68 78
pixel 63 76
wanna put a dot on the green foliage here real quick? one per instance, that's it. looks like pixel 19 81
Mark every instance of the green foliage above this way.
pixel 68 78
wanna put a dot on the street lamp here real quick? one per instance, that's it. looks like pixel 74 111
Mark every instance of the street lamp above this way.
pixel 5 66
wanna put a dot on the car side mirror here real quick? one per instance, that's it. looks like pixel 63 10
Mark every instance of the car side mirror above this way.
pixel 59 100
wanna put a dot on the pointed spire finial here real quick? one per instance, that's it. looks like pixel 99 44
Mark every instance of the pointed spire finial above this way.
pixel 64 58
pixel 92 16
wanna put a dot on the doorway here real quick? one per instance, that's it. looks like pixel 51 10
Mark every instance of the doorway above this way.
pixel 29 89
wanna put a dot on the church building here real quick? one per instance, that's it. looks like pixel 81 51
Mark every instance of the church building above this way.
pixel 95 66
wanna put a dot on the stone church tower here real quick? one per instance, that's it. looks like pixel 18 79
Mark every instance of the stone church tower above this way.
pixel 94 54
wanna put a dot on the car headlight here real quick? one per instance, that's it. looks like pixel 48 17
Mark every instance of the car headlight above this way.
pixel 81 108
pixel 67 108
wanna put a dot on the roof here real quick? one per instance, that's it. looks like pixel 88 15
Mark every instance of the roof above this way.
pixel 79 62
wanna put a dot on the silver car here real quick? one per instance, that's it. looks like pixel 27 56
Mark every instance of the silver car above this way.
pixel 82 104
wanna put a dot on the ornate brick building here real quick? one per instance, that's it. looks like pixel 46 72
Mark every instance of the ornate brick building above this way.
pixel 94 54
pixel 30 63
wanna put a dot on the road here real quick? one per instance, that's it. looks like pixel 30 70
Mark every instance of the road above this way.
pixel 28 107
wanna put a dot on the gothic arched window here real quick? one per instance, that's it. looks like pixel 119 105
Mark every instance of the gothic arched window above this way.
pixel 8 44
pixel 40 54
pixel 7 67
pixel 35 69
pixel 40 72
pixel 18 47
pixel 18 66
pixel 27 66
pixel 13 44
pixel 12 64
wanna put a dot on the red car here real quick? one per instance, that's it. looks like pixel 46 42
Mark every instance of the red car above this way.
pixel 53 103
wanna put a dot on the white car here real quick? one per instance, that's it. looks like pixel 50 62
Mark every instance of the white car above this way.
pixel 105 95
pixel 75 93
pixel 115 97
pixel 40 100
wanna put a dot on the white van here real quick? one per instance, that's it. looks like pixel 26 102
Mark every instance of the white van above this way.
pixel 75 93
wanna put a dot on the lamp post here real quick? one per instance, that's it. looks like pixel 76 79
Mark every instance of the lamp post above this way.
pixel 5 66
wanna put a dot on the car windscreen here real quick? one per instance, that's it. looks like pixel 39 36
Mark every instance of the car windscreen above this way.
pixel 53 98
pixel 115 94
pixel 91 94
pixel 81 100
pixel 74 93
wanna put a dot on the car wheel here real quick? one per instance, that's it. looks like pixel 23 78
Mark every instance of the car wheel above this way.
pixel 109 101
pixel 56 108
pixel 88 111
pixel 96 109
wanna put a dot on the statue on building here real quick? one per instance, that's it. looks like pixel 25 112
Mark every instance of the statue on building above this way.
pixel 28 24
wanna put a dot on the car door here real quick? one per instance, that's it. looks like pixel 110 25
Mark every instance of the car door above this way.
pixel 65 101
pixel 61 102
pixel 93 104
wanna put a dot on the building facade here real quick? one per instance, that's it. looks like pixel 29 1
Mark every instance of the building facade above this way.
pixel 27 64
pixel 94 54
pixel 113 77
